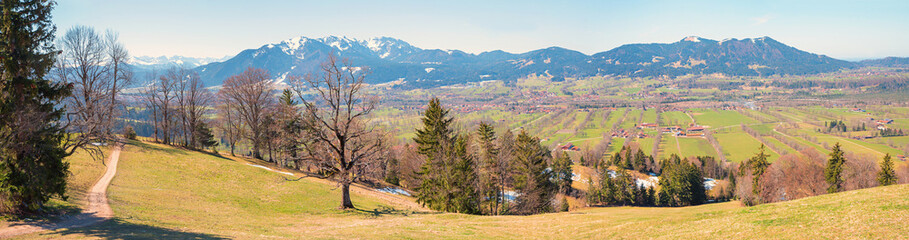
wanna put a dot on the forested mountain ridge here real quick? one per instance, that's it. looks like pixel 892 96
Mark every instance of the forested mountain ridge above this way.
pixel 389 59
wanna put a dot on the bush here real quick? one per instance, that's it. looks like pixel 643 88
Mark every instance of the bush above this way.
pixel 565 206
pixel 129 133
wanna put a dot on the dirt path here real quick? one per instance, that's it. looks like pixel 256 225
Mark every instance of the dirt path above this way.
pixel 692 118
pixel 97 210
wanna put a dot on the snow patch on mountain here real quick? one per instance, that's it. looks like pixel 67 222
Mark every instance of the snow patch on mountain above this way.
pixel 175 60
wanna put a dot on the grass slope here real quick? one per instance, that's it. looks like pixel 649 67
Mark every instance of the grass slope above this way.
pixel 170 193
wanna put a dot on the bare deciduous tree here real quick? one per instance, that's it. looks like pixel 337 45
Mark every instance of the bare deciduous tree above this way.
pixel 230 126
pixel 120 74
pixel 193 99
pixel 93 65
pixel 249 94
pixel 343 143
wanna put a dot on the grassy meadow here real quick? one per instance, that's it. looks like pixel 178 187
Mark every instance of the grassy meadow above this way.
pixel 166 192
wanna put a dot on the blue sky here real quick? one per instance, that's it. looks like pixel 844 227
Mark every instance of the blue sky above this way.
pixel 842 29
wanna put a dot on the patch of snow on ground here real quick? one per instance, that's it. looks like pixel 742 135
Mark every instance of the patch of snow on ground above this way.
pixel 709 183
pixel 269 169
pixel 511 195
pixel 647 183
pixel 394 190
pixel 611 173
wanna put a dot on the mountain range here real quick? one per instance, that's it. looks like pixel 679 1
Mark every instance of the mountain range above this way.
pixel 390 59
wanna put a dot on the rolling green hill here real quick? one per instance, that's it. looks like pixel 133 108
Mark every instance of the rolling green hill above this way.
pixel 165 192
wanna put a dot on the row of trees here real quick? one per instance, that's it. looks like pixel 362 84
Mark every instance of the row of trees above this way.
pixel 469 173
pixel 809 173
pixel 178 102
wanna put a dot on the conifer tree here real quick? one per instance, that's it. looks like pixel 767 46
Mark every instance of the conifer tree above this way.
pixel 834 171
pixel 627 161
pixel 639 160
pixel 448 177
pixel 32 141
pixel 758 165
pixel 887 176
pixel 430 139
pixel 561 167
pixel 487 154
pixel 531 180
pixel 617 159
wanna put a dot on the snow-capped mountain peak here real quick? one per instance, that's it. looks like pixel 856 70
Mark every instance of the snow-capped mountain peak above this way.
pixel 175 60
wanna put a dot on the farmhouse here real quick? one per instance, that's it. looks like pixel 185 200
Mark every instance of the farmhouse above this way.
pixel 570 147
pixel 695 131
pixel 647 125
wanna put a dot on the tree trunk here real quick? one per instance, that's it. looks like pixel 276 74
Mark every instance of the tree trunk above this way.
pixel 345 196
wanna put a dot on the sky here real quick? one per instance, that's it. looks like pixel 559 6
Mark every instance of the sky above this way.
pixel 850 30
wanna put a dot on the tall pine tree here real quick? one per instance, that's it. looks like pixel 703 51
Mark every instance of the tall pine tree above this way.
pixel 758 165
pixel 487 152
pixel 31 140
pixel 834 171
pixel 447 176
pixel 887 176
pixel 531 180
pixel 561 167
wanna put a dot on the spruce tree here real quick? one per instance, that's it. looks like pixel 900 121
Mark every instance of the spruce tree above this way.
pixel 462 190
pixel 834 170
pixel 639 159
pixel 756 165
pixel 616 159
pixel 31 137
pixel 430 140
pixel 531 180
pixel 627 163
pixel 561 167
pixel 487 152
pixel 887 176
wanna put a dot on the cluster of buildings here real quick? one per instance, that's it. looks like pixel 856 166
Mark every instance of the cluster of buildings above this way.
pixel 881 124
pixel 621 133
pixel 570 147
pixel 693 131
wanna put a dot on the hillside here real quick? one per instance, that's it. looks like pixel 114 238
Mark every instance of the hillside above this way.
pixel 165 192
pixel 390 59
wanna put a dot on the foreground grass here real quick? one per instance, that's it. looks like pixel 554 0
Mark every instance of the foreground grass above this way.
pixel 163 192
pixel 84 172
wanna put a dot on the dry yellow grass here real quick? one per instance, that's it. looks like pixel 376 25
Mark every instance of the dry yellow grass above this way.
pixel 169 193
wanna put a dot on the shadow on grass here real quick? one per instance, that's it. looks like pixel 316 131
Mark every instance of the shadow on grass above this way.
pixel 118 229
pixel 149 147
pixel 53 211
pixel 144 146
pixel 388 211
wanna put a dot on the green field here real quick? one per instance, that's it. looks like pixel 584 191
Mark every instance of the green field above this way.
pixel 164 192
pixel 720 118
pixel 740 146
pixel 686 146
pixel 675 118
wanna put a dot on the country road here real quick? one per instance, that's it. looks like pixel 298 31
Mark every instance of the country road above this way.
pixel 97 210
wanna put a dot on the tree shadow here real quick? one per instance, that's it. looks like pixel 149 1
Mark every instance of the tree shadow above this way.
pixel 118 229
pixel 144 147
pixel 388 211
pixel 149 147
